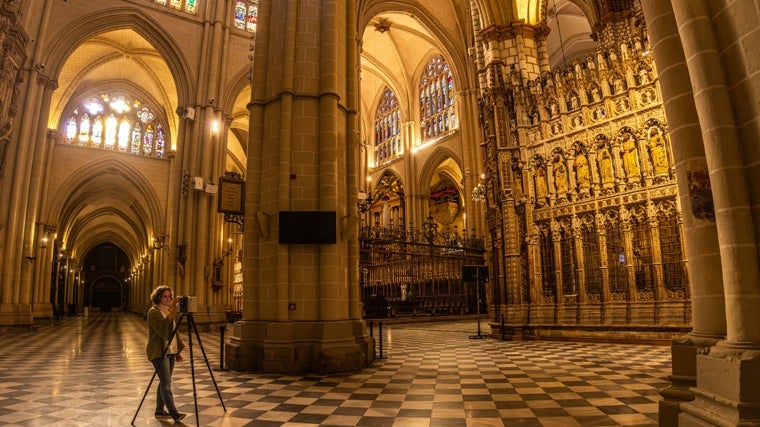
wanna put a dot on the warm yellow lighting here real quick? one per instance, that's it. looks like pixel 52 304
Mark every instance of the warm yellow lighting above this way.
pixel 527 10
pixel 215 126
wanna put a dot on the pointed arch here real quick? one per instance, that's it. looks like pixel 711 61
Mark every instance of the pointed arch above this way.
pixel 83 28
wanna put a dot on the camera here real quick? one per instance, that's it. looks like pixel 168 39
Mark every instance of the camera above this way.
pixel 187 304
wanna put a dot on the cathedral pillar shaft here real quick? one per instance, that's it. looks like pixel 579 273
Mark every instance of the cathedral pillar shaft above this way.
pixel 38 164
pixel 300 313
pixel 709 165
pixel 700 233
pixel 733 212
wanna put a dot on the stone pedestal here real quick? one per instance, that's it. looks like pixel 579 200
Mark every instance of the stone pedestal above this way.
pixel 16 317
pixel 296 347
pixel 728 389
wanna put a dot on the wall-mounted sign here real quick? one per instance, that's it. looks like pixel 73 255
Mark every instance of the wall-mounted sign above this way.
pixel 231 196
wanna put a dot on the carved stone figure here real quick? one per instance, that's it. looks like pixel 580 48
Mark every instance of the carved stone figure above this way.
pixel 658 153
pixel 540 176
pixel 630 158
pixel 604 160
pixel 560 175
pixel 581 168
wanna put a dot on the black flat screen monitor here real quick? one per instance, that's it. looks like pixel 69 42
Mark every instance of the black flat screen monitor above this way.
pixel 307 227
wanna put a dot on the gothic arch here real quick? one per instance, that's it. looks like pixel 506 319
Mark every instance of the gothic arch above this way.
pixel 432 164
pixel 67 208
pixel 456 57
pixel 87 26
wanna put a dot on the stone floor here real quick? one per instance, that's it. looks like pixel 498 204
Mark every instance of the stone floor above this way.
pixel 93 372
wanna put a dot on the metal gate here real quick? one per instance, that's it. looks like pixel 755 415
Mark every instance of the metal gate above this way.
pixel 412 272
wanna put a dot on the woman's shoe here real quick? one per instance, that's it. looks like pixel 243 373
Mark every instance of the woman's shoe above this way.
pixel 176 417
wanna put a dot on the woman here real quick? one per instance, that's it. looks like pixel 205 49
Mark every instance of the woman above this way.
pixel 160 326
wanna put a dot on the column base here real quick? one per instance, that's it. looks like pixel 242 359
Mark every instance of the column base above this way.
pixel 684 352
pixel 728 391
pixel 324 347
pixel 16 317
pixel 42 311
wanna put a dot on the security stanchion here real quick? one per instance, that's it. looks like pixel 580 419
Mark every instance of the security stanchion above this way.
pixel 380 337
pixel 221 349
pixel 503 332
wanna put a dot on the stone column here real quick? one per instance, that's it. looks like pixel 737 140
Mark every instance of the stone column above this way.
pixel 700 231
pixel 300 308
pixel 727 391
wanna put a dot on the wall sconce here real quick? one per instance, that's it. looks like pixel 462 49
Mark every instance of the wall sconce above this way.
pixel 159 242
pixel 43 242
pixel 479 192
pixel 364 201
pixel 228 251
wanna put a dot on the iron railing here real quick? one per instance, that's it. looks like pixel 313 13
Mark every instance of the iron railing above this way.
pixel 418 272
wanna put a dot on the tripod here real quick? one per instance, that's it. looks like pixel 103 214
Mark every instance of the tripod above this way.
pixel 190 329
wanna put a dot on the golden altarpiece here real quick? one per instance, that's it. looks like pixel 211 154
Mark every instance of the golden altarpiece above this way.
pixel 581 202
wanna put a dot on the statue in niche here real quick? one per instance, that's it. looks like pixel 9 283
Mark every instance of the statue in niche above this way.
pixel 581 168
pixel 560 175
pixel 517 179
pixel 595 94
pixel 553 108
pixel 658 152
pixel 630 157
pixel 604 163
pixel 618 84
pixel 574 102
pixel 643 75
pixel 540 177
pixel 534 117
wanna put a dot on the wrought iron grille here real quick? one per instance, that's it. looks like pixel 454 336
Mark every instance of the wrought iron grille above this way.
pixel 616 259
pixel 418 272
pixel 548 276
pixel 591 262
pixel 673 265
pixel 568 262
pixel 642 258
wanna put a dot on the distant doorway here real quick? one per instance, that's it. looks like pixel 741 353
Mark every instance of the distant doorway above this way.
pixel 107 294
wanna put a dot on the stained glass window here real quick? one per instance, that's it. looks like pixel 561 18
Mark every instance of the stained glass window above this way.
pixel 246 15
pixel 188 6
pixel 116 122
pixel 387 129
pixel 437 116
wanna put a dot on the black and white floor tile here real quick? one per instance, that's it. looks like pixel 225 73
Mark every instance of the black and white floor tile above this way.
pixel 93 372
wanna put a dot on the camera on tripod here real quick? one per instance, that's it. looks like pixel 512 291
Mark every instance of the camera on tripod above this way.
pixel 187 304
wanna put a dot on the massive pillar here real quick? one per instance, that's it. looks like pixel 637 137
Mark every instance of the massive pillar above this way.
pixel 301 308
pixel 721 242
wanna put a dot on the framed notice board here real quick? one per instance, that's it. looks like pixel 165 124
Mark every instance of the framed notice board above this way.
pixel 231 196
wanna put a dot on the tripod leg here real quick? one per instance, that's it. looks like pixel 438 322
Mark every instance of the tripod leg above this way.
pixel 143 398
pixel 210 371
pixel 171 337
pixel 190 325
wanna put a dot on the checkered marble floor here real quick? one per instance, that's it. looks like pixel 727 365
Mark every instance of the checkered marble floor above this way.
pixel 93 372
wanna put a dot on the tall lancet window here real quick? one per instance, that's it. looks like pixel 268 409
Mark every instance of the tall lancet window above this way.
pixel 246 15
pixel 116 122
pixel 437 116
pixel 387 129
